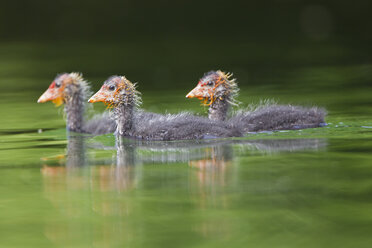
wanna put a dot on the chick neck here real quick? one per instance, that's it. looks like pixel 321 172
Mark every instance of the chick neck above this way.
pixel 124 117
pixel 74 107
pixel 219 108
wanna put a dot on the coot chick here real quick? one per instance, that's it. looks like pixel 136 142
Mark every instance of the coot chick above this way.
pixel 218 90
pixel 72 90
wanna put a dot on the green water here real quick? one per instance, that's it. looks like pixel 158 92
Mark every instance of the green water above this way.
pixel 305 188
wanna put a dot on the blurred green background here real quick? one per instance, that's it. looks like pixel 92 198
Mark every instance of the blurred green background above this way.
pixel 314 192
pixel 299 52
pixel 170 44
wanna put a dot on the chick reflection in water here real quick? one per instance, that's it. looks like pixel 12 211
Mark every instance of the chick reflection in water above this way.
pixel 105 173
pixel 213 177
pixel 82 190
pixel 99 199
pixel 218 156
pixel 212 173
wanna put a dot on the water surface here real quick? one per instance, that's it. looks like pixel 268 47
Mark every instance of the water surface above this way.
pixel 304 188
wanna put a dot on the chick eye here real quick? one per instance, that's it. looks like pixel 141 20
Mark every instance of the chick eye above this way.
pixel 210 83
pixel 111 87
pixel 58 84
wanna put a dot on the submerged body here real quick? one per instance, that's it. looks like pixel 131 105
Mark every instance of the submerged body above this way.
pixel 120 93
pixel 278 117
pixel 218 90
pixel 73 91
